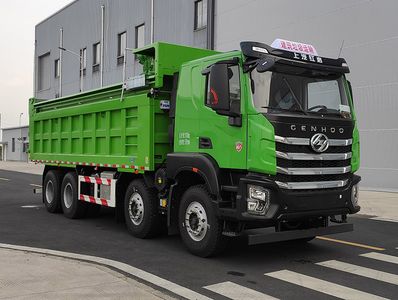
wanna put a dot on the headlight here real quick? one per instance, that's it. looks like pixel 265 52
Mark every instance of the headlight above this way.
pixel 257 200
pixel 355 195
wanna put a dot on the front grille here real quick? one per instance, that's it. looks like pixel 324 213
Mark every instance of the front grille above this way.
pixel 310 178
pixel 287 163
pixel 307 149
pixel 295 163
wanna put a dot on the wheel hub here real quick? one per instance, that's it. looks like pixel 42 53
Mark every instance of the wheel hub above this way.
pixel 136 208
pixel 68 195
pixel 49 192
pixel 196 221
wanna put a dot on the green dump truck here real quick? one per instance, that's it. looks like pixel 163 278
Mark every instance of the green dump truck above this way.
pixel 260 143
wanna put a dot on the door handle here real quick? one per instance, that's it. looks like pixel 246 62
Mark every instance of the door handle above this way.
pixel 205 143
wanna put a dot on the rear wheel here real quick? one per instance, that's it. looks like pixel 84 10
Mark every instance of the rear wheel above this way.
pixel 73 208
pixel 51 191
pixel 200 229
pixel 141 210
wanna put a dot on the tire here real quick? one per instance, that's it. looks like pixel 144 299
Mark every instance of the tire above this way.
pixel 204 239
pixel 71 206
pixel 141 211
pixel 51 191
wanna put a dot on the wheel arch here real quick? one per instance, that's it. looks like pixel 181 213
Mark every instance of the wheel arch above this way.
pixel 202 165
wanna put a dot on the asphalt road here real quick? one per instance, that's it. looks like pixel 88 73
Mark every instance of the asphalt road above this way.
pixel 281 270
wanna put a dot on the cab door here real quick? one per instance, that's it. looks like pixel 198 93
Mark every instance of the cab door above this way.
pixel 222 122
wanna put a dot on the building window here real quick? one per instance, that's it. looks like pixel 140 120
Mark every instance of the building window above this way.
pixel 24 145
pixel 140 36
pixel 200 14
pixel 96 56
pixel 44 72
pixel 13 145
pixel 121 46
pixel 57 69
pixel 83 61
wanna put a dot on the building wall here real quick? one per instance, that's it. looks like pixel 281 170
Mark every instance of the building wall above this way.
pixel 81 23
pixel 369 30
pixel 19 134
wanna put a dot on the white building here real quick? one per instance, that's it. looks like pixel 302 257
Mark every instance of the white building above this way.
pixel 14 144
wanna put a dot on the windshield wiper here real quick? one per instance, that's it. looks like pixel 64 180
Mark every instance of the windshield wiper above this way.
pixel 327 112
pixel 294 96
pixel 284 109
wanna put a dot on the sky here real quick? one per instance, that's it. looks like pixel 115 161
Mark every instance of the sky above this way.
pixel 17 34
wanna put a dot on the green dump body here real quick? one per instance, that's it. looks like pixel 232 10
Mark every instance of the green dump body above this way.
pixel 105 128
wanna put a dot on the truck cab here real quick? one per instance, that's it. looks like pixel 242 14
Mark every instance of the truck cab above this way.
pixel 271 133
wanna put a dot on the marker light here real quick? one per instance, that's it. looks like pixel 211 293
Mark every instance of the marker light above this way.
pixel 355 195
pixel 259 49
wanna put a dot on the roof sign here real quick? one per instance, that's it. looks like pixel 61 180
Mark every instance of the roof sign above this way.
pixel 294 47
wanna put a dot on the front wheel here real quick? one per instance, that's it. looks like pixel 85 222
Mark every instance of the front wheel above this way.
pixel 200 229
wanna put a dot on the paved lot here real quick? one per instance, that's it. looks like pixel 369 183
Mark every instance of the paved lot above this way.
pixel 364 268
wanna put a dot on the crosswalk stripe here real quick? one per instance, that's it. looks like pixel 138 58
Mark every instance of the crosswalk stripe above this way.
pixel 382 257
pixel 322 286
pixel 235 291
pixel 361 271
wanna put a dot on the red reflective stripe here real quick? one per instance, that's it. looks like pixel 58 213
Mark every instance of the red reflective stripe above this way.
pixel 104 202
pixel 92 199
pixel 81 197
pixel 215 96
pixel 98 180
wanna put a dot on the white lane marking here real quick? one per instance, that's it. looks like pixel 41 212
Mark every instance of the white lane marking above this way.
pixel 35 185
pixel 361 271
pixel 146 276
pixel 322 286
pixel 30 206
pixel 4 179
pixel 384 219
pixel 382 257
pixel 237 292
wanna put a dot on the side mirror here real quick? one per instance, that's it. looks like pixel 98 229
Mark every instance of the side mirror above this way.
pixel 265 64
pixel 218 91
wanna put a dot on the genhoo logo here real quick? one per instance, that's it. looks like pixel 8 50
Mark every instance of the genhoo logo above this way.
pixel 319 142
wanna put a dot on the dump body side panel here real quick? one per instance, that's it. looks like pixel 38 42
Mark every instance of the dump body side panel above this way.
pixel 98 128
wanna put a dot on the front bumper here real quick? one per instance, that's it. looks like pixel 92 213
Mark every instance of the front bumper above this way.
pixel 291 205
pixel 260 237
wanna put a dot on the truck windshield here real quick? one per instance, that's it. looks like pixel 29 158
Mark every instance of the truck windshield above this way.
pixel 275 92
